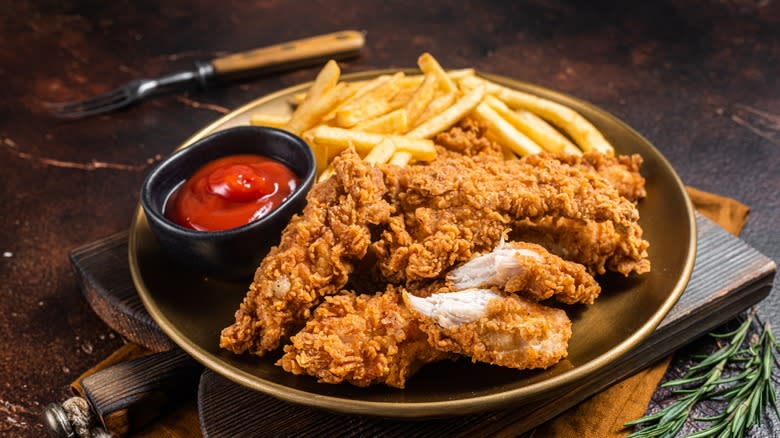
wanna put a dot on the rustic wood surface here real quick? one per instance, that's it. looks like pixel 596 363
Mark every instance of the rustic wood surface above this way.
pixel 129 395
pixel 104 278
pixel 698 78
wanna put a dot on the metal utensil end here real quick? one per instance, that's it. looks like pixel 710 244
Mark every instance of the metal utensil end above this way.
pixel 72 419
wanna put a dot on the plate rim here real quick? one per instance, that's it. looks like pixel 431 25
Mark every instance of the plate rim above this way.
pixel 416 409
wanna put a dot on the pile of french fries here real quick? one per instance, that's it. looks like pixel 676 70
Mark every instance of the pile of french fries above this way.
pixel 393 118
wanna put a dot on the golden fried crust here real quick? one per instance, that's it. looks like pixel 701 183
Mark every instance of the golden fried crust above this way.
pixel 514 332
pixel 567 281
pixel 468 138
pixel 313 259
pixel 457 206
pixel 621 171
pixel 597 245
pixel 360 339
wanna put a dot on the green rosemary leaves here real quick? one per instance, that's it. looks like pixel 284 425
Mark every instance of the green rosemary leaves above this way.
pixel 747 389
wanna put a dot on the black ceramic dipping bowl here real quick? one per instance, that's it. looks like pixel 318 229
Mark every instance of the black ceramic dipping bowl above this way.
pixel 233 253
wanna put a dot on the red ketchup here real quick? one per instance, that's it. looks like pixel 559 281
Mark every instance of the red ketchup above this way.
pixel 230 192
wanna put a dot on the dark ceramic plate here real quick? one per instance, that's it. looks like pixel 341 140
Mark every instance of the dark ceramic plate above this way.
pixel 193 309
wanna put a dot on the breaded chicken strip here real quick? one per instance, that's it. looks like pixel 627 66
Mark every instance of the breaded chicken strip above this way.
pixel 597 245
pixel 529 270
pixel 360 339
pixel 313 259
pixel 621 171
pixel 488 327
pixel 457 206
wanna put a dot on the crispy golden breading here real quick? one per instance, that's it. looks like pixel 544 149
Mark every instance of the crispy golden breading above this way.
pixel 457 206
pixel 468 138
pixel 503 330
pixel 528 270
pixel 621 171
pixel 597 245
pixel 313 259
pixel 360 339
pixel 409 226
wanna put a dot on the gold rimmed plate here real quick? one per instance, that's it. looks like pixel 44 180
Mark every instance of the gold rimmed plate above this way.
pixel 193 309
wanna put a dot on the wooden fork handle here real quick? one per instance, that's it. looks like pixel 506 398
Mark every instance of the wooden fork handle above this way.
pixel 292 54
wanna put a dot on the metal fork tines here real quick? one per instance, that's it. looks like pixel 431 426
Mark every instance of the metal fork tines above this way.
pixel 129 93
pixel 105 102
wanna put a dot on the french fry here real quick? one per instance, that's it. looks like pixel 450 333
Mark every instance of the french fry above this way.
pixel 534 128
pixel 320 151
pixel 504 133
pixel 450 116
pixel 298 98
pixel 314 106
pixel 372 104
pixel 421 99
pixel 472 82
pixel 436 106
pixel 392 118
pixel 270 120
pixel 381 153
pixel 401 99
pixel 364 87
pixel 401 158
pixel 394 122
pixel 338 139
pixel 412 81
pixel 419 150
pixel 358 89
pixel 408 82
pixel 542 132
pixel 457 75
pixel 582 131
pixel 330 100
pixel 430 66
pixel 320 156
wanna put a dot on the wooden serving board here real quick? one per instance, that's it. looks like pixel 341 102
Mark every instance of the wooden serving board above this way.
pixel 104 276
pixel 729 276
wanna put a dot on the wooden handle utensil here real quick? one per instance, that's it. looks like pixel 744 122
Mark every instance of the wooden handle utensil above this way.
pixel 290 54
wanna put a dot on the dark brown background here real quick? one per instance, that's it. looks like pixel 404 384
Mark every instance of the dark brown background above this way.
pixel 692 76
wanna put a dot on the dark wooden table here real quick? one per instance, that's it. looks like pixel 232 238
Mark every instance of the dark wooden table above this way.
pixel 698 78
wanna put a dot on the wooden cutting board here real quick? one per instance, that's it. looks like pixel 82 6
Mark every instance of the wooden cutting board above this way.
pixel 729 276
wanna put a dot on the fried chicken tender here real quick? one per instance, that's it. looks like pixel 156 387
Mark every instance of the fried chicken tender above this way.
pixel 621 171
pixel 597 245
pixel 529 270
pixel 360 339
pixel 488 327
pixel 457 206
pixel 314 258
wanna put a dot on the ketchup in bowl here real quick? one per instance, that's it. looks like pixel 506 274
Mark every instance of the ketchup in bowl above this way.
pixel 230 192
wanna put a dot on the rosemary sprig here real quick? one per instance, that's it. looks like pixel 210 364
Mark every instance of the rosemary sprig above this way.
pixel 748 392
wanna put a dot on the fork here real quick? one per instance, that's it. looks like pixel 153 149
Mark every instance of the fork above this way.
pixel 278 57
